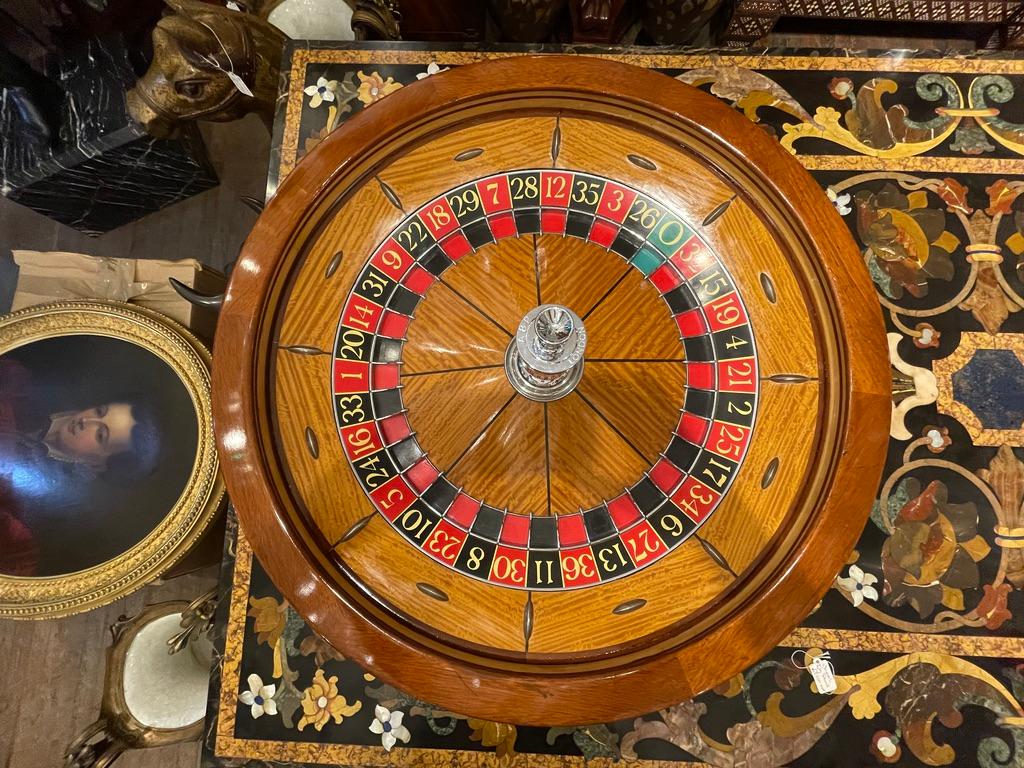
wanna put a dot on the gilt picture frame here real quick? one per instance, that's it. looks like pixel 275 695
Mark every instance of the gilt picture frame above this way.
pixel 108 468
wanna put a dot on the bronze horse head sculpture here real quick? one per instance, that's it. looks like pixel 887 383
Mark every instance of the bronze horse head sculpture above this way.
pixel 209 63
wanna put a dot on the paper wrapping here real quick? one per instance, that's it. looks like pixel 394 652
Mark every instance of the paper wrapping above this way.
pixel 45 276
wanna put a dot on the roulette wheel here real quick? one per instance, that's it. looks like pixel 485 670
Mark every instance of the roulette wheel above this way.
pixel 551 390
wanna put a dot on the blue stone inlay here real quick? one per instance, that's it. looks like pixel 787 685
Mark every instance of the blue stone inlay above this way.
pixel 992 386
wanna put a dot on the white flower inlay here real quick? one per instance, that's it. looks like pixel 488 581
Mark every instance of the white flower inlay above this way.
pixel 324 90
pixel 858 585
pixel 389 726
pixel 259 697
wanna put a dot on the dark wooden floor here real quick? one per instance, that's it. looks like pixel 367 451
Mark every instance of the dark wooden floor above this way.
pixel 54 669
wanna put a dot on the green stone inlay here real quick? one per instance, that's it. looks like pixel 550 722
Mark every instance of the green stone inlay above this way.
pixel 647 260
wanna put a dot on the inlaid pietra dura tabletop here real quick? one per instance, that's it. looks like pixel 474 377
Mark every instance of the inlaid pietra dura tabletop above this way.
pixel 605 342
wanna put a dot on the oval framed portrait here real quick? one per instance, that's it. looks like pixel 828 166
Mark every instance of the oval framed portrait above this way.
pixel 108 468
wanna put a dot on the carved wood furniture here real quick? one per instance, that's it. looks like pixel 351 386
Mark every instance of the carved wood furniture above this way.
pixel 567 514
pixel 678 22
pixel 601 21
pixel 1000 22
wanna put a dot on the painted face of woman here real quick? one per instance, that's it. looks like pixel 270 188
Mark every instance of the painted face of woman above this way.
pixel 93 435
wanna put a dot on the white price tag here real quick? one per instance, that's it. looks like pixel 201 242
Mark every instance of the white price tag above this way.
pixel 233 5
pixel 824 675
pixel 239 83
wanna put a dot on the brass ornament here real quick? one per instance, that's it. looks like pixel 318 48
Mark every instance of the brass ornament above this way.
pixel 117 730
pixel 209 63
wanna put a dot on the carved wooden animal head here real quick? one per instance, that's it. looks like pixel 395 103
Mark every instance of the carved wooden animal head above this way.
pixel 204 58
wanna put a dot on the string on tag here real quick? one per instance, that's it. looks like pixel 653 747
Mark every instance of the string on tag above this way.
pixel 821 669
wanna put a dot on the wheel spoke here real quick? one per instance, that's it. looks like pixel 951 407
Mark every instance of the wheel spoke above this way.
pixel 452 370
pixel 481 433
pixel 450 333
pixel 444 432
pixel 547 456
pixel 629 268
pixel 536 269
pixel 676 360
pixel 656 393
pixel 612 426
pixel 575 273
pixel 475 307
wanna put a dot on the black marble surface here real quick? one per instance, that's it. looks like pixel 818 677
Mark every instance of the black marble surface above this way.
pixel 95 170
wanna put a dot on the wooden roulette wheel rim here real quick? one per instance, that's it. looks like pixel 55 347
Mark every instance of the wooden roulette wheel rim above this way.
pixel 727 314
